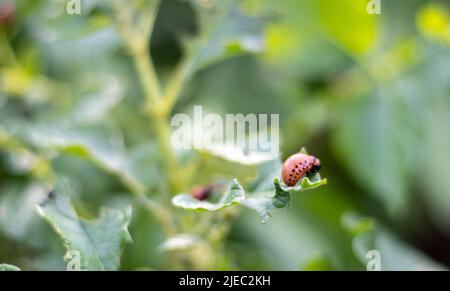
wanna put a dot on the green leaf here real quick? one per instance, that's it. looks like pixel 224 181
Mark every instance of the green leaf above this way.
pixel 363 138
pixel 106 93
pixel 18 218
pixel 235 195
pixel 6 267
pixel 306 183
pixel 395 255
pixel 436 142
pixel 98 242
pixel 97 142
pixel 264 180
pixel 264 203
pixel 226 32
pixel 100 144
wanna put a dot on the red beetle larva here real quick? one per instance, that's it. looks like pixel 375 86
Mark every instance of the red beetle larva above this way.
pixel 296 166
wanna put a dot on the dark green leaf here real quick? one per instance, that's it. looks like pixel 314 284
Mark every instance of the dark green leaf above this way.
pixel 395 255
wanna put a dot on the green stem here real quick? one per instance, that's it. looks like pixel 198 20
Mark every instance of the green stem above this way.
pixel 159 116
pixel 176 84
pixel 173 173
pixel 137 38
pixel 147 74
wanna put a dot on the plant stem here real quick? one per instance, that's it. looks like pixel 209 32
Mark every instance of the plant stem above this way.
pixel 147 74
pixel 150 83
pixel 176 84
pixel 137 38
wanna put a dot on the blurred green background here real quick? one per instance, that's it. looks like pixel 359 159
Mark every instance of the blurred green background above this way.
pixel 367 94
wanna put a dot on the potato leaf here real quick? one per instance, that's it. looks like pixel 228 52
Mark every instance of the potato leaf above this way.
pixel 267 195
pixel 306 183
pixel 226 34
pixel 98 243
pixel 234 195
pixel 6 267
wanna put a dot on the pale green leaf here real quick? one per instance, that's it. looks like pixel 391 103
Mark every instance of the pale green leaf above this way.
pixel 100 144
pixel 98 103
pixel 306 183
pixel 266 172
pixel 235 195
pixel 6 267
pixel 266 201
pixel 17 216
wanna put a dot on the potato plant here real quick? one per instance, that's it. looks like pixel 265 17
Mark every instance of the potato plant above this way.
pixel 90 180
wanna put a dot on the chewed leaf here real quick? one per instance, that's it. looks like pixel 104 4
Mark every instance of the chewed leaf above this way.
pixel 6 267
pixel 306 183
pixel 96 243
pixel 235 195
pixel 264 204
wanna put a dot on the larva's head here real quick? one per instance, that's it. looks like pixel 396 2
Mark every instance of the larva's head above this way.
pixel 316 165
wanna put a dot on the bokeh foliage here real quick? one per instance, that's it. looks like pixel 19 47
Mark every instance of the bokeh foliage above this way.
pixel 367 94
